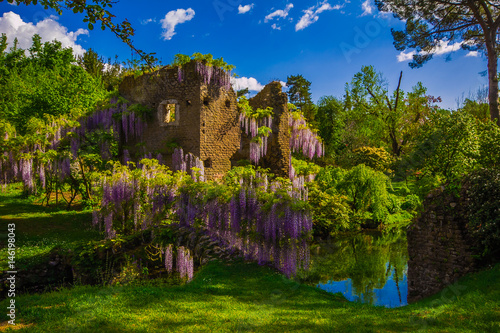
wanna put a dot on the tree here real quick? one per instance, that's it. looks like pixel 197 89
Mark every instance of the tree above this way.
pixel 300 95
pixel 330 122
pixel 393 119
pixel 475 23
pixel 95 11
pixel 46 83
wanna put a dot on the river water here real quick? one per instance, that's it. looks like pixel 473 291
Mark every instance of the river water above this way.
pixel 368 267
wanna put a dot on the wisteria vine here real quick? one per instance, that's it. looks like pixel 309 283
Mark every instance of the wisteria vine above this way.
pixel 302 138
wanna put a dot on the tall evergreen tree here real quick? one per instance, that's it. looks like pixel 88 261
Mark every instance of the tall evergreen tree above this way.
pixel 299 94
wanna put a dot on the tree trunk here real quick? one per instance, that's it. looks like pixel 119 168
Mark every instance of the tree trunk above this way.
pixel 493 84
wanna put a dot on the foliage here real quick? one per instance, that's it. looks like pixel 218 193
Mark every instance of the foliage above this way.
pixel 304 168
pixel 367 192
pixel 207 59
pixel 376 158
pixel 489 145
pixel 249 112
pixel 330 121
pixel 381 118
pixel 448 146
pixel 44 84
pixel 97 67
pixel 429 24
pixel 299 94
pixel 362 188
pixel 480 111
pixel 411 203
pixel 483 212
pixel 331 211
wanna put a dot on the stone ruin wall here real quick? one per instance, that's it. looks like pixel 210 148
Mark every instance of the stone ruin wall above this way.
pixel 277 158
pixel 220 131
pixel 278 152
pixel 207 121
pixel 438 245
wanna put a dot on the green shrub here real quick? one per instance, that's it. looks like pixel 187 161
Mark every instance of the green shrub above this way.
pixel 305 168
pixel 329 178
pixel 394 204
pixel 330 212
pixel 367 191
pixel 376 158
pixel 412 203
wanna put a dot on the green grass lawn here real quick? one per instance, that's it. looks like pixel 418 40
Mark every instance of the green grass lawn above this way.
pixel 39 228
pixel 240 297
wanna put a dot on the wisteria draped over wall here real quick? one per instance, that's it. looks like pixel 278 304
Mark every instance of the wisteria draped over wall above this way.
pixel 185 163
pixel 267 222
pixel 303 139
pixel 258 143
pixel 124 123
pixel 213 75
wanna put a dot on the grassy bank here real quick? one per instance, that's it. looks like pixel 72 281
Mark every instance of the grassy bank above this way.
pixel 248 298
pixel 239 297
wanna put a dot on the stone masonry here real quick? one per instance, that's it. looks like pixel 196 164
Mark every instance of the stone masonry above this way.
pixel 438 246
pixel 203 119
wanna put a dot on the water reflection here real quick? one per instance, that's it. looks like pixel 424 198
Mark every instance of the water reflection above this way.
pixel 365 267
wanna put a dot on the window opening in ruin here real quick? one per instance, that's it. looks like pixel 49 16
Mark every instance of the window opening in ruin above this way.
pixel 188 102
pixel 228 103
pixel 169 115
pixel 207 163
pixel 206 101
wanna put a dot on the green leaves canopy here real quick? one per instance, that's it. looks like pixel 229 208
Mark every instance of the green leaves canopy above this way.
pixel 475 24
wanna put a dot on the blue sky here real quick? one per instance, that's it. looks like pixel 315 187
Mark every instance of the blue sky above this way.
pixel 326 41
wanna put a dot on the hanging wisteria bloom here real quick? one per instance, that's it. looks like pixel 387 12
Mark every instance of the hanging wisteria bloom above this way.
pixel 303 139
pixel 267 234
pixel 257 125
pixel 214 75
pixel 186 163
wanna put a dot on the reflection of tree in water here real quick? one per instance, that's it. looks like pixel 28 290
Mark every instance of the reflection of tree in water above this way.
pixel 368 259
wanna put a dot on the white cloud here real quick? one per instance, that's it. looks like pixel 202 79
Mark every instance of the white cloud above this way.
pixel 402 57
pixel 245 9
pixel 173 18
pixel 473 54
pixel 443 47
pixel 275 27
pixel 49 29
pixel 311 14
pixel 283 84
pixel 251 83
pixel 367 8
pixel 149 20
pixel 281 13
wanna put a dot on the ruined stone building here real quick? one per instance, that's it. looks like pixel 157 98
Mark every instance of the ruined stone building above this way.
pixel 196 108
